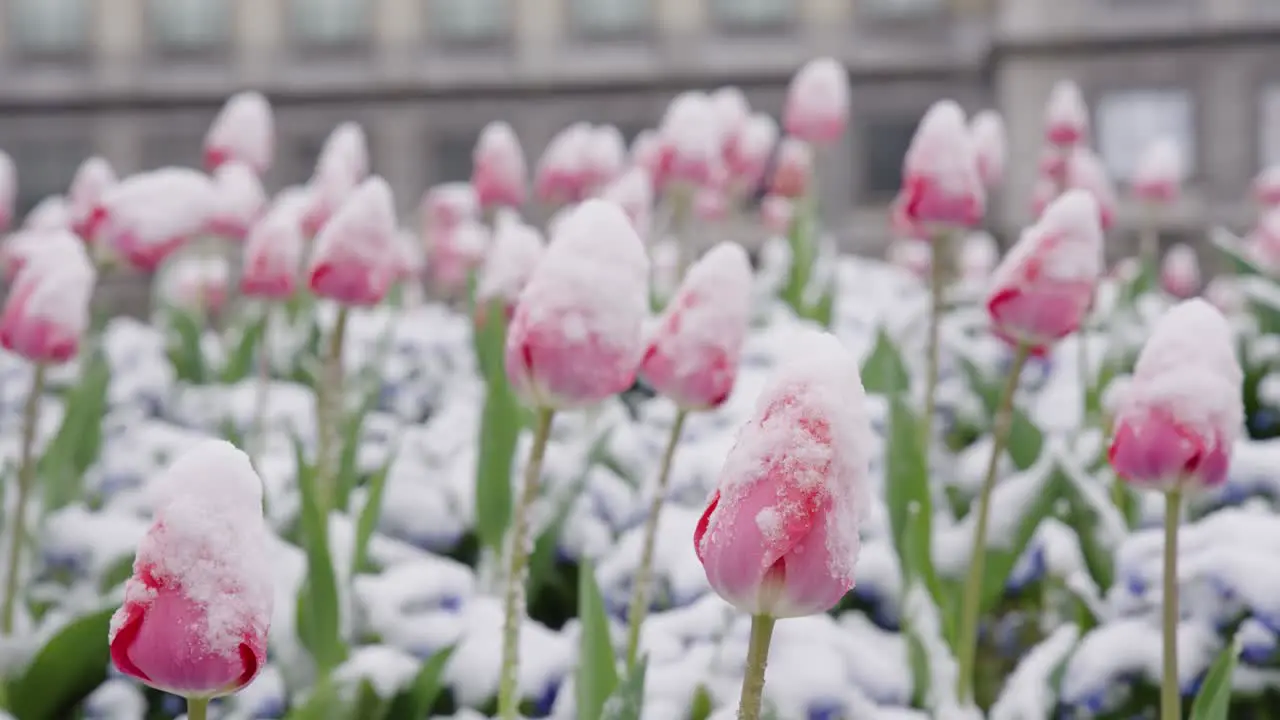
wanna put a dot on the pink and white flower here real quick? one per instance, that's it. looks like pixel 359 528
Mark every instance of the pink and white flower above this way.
pixel 817 108
pixel 243 131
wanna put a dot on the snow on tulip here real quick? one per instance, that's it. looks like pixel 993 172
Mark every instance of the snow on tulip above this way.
pixel 197 283
pixel 47 309
pixel 51 213
pixel 354 256
pixel 692 141
pixel 817 108
pixel 990 146
pixel 238 201
pixel 273 254
pixel 633 192
pixel 560 177
pixel 941 185
pixel 1066 118
pixel 150 215
pixel 84 199
pixel 498 167
pixel 512 258
pixel 243 131
pixel 341 167
pixel 1158 176
pixel 793 169
pixel 1180 271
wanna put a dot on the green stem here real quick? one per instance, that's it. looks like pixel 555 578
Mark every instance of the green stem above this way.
pixel 508 688
pixel 328 413
pixel 972 600
pixel 26 478
pixel 264 384
pixel 757 658
pixel 1170 695
pixel 1086 379
pixel 937 286
pixel 1149 247
pixel 640 590
pixel 197 708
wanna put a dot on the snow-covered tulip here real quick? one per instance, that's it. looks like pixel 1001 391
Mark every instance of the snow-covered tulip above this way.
pixel 646 151
pixel 238 201
pixel 1158 175
pixel 454 253
pixel 776 213
pixel 731 112
pixel 341 167
pixel 354 258
pixel 1043 287
pixel 84 199
pixel 1085 171
pixel 604 156
pixel 196 283
pixel 149 215
pixel 779 536
pixel 692 354
pixel 47 310
pixel 8 191
pixel 986 132
pixel 448 205
pixel 575 338
pixel 197 608
pixel 792 169
pixel 559 177
pixel 1180 271
pixel 273 254
pixel 512 257
pixel 633 192
pixel 748 155
pixel 817 108
pixel 1066 118
pixel 51 213
pixel 1184 409
pixel 243 131
pixel 691 140
pixel 940 172
pixel 499 174
pixel 1266 187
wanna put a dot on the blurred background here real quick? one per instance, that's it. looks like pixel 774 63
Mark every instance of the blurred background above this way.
pixel 138 81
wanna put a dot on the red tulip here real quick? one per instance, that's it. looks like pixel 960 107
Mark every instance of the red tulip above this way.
pixel 1066 119
pixel 47 310
pixel 940 173
pixel 817 109
pixel 243 132
pixel 84 199
pixel 342 165
pixel 1158 176
pixel 986 132
pixel 355 255
pixel 273 254
pixel 498 167
pixel 238 202
pixel 150 215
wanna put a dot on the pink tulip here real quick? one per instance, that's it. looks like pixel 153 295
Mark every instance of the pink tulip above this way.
pixel 196 283
pixel 604 157
pixel 239 201
pixel 692 140
pixel 84 199
pixel 940 173
pixel 1085 171
pixel 1158 176
pixel 817 109
pixel 499 174
pixel 516 250
pixel 448 205
pixel 575 337
pixel 411 261
pixel 561 175
pixel 986 133
pixel 1180 271
pixel 197 609
pixel 8 191
pixel 273 254
pixel 1066 118
pixel 455 253
pixel 747 156
pixel 731 111
pixel 243 131
pixel 692 356
pixel 51 213
pixel 1043 288
pixel 647 152
pixel 47 310
pixel 779 536
pixel 776 213
pixel 633 192
pixel 1266 187
pixel 1182 412
pixel 354 258
pixel 341 167
pixel 150 215
pixel 793 169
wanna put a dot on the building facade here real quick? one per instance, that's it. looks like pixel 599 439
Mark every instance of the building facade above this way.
pixel 138 81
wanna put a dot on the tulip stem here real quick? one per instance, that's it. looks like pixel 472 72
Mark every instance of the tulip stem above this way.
pixel 1086 378
pixel 640 591
pixel 264 384
pixel 972 600
pixel 508 688
pixel 26 478
pixel 197 708
pixel 1170 695
pixel 937 283
pixel 757 659
pixel 329 403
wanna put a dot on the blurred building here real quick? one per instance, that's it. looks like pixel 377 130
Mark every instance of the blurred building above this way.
pixel 139 80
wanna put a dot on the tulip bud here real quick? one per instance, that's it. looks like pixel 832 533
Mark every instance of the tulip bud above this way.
pixel 1180 271
pixel 1044 286
pixel 575 336
pixel 604 156
pixel 1085 171
pixel 560 176
pixel 515 252
pixel 792 169
pixel 940 172
pixel 817 107
pixel 51 213
pixel 633 192
pixel 8 191
pixel 1066 119
pixel 84 200
pixel 986 132
pixel 342 165
pixel 198 607
pixel 273 254
pixel 1266 187
pixel 238 201
pixel 47 310
pixel 1158 176
pixel 692 356
pixel 731 112
pixel 1181 414
pixel 454 253
pixel 148 216
pixel 692 137
pixel 748 154
pixel 355 254
pixel 243 132
pixel 499 172
pixel 196 283
pixel 779 536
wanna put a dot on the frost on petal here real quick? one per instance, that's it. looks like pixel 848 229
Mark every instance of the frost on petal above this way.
pixel 512 257
pixel 243 131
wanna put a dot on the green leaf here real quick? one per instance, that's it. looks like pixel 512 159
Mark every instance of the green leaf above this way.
pixel 417 700
pixel 1042 492
pixel 1025 440
pixel 500 424
pixel 239 363
pixel 1233 248
pixel 907 495
pixel 369 515
pixel 370 705
pixel 1214 699
pixel 823 311
pixel 702 707
pixel 803 246
pixel 627 701
pixel 65 671
pixel 348 460
pixel 185 351
pixel 597 673
pixel 988 392
pixel 319 626
pixel 79 438
pixel 884 371
pixel 115 574
pixel 324 703
pixel 921 678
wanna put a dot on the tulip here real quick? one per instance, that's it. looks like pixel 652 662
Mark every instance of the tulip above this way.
pixel 341 167
pixel 560 177
pixel 817 108
pixel 273 254
pixel 574 339
pixel 8 191
pixel 647 152
pixel 1180 271
pixel 1085 171
pixel 84 200
pixel 779 536
pixel 455 253
pixel 1266 187
pixel 499 172
pixel 692 140
pixel 517 248
pixel 150 215
pixel 633 192
pixel 196 283
pixel 941 184
pixel 748 155
pixel 197 608
pixel 604 157
pixel 1066 118
pixel 731 112
pixel 793 169
pixel 1158 176
pixel 447 205
pixel 51 213
pixel 239 201
pixel 1224 293
pixel 243 131
pixel 1174 430
pixel 352 261
pixel 986 133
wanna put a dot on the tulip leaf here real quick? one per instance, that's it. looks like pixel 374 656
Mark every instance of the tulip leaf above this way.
pixel 884 372
pixel 115 574
pixel 419 698
pixel 1039 489
pixel 627 701
pixel 702 707
pixel 369 704
pixel 1236 252
pixel 186 352
pixel 1025 440
pixel 500 424
pixel 319 620
pixel 908 497
pixel 79 438
pixel 1091 513
pixel 597 672
pixel 239 363
pixel 1214 699
pixel 324 702
pixel 803 244
pixel 65 671
pixel 369 514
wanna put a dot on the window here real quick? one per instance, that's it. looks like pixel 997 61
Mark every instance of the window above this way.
pixel 52 27
pixel 1127 121
pixel 45 167
pixel 190 24
pixel 468 21
pixel 898 8
pixel 1269 126
pixel 884 146
pixel 330 23
pixel 752 14
pixel 453 157
pixel 610 18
